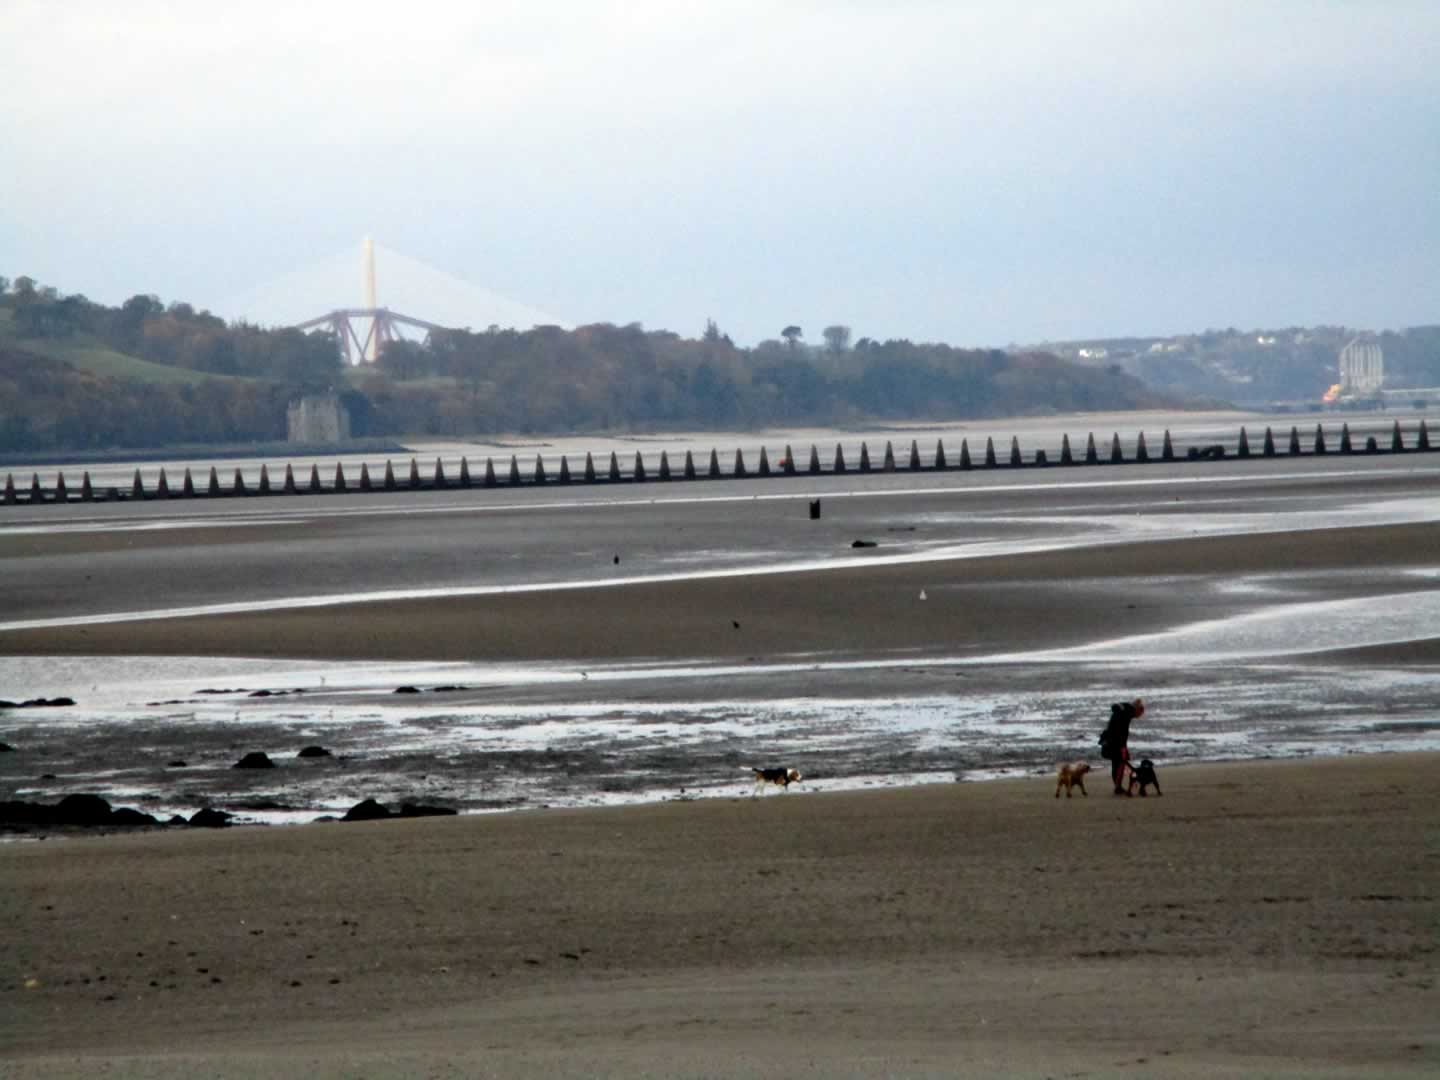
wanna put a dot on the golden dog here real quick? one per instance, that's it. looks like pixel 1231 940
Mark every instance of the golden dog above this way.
pixel 1071 775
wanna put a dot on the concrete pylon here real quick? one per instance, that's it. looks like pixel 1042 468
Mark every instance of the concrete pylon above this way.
pixel 714 472
pixel 1243 449
pixel 989 452
pixel 439 480
pixel 1117 457
pixel 540 476
pixel 914 455
pixel 888 461
pixel 414 474
pixel 514 471
pixel 490 480
pixel 339 477
pixel 965 454
pixel 1319 439
pixel 814 466
pixel 1345 446
pixel 364 476
pixel 1092 457
pixel 1422 440
pixel 289 479
pixel 763 469
pixel 864 457
pixel 389 482
pixel 564 469
pixel 1040 458
pixel 614 466
pixel 1142 453
pixel 465 480
pixel 739 469
pixel 37 493
pixel 1066 458
pixel 589 473
pixel 315 486
pixel 1167 448
pixel 62 494
pixel 9 496
pixel 264 480
pixel 187 485
pixel 638 472
pixel 689 465
pixel 1397 441
pixel 213 488
pixel 839 465
pixel 87 492
pixel 1294 439
pixel 664 465
pixel 1016 458
pixel 238 486
pixel 162 486
pixel 1267 448
pixel 940 454
pixel 789 463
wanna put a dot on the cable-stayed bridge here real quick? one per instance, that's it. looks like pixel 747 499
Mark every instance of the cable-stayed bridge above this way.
pixel 317 295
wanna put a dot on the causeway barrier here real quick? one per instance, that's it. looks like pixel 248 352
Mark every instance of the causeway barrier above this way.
pixel 512 474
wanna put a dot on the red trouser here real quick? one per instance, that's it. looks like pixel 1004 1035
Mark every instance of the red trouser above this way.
pixel 1117 767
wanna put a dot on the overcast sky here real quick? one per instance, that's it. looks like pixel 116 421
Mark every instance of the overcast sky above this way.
pixel 979 173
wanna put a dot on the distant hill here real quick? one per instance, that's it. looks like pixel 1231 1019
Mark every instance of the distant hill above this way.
pixel 1256 367
pixel 80 375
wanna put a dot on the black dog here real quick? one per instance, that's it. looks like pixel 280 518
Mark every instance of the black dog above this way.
pixel 1144 775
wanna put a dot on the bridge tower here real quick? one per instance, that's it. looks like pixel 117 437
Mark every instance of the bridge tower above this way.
pixel 379 324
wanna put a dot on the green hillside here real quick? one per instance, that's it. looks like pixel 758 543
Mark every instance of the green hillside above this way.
pixel 87 354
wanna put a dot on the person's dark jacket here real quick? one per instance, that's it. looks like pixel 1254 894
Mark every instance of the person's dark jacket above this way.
pixel 1116 735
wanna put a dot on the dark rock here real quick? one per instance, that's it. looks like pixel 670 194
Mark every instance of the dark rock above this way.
pixel 176 819
pixel 368 810
pixel 17 812
pixel 447 689
pixel 176 764
pixel 209 819
pixel 126 815
pixel 48 776
pixel 261 693
pixel 39 703
pixel 864 544
pixel 81 810
pixel 420 810
pixel 406 690
pixel 314 751
pixel 9 704
pixel 256 759
pixel 6 748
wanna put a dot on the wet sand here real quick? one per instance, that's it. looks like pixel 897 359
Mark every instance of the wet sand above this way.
pixel 1024 601
pixel 1266 919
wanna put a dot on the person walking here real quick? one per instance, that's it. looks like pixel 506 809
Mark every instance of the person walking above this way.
pixel 1115 740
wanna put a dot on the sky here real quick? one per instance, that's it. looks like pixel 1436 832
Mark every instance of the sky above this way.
pixel 981 173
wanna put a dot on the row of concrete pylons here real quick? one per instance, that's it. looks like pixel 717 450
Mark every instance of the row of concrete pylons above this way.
pixel 514 476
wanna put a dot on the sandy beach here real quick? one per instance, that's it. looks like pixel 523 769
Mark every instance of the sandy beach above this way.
pixel 1268 919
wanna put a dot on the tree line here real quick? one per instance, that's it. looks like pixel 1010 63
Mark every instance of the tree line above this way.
pixel 600 377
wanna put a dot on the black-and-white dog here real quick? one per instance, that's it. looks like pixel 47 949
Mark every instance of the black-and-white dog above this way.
pixel 780 777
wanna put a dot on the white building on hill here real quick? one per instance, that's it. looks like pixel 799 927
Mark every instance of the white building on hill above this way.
pixel 1362 368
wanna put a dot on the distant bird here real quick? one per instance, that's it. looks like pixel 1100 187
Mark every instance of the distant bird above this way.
pixel 735 624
